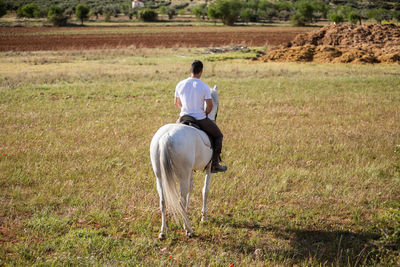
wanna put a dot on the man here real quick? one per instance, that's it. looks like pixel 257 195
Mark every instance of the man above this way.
pixel 190 95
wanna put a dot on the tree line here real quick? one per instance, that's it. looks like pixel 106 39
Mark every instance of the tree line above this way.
pixel 299 12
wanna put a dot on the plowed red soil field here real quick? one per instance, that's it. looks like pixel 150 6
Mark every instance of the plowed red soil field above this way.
pixel 47 38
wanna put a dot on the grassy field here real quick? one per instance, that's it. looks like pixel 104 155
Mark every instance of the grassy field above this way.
pixel 312 149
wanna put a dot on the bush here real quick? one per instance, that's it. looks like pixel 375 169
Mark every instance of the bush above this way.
pixel 298 20
pixel 396 15
pixel 107 17
pixel 82 12
pixel 56 16
pixel 388 225
pixel 335 18
pixel 147 14
pixel 3 9
pixel 226 10
pixel 162 10
pixel 29 11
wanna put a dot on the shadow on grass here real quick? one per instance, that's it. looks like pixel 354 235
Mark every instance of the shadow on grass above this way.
pixel 322 247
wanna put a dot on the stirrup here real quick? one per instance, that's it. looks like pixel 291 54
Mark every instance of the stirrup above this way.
pixel 218 168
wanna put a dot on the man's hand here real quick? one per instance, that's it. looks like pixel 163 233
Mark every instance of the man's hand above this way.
pixel 209 106
pixel 178 102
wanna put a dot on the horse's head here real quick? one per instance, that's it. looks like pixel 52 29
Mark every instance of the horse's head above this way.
pixel 214 95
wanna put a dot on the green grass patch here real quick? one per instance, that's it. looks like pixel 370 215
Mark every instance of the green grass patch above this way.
pixel 312 151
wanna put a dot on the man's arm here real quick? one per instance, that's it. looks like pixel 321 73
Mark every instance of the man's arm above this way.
pixel 209 106
pixel 178 102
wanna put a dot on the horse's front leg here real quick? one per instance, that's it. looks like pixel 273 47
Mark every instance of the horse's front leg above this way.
pixel 206 189
pixel 163 230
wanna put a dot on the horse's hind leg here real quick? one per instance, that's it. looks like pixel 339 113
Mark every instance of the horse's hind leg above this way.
pixel 206 189
pixel 186 187
pixel 185 193
pixel 163 230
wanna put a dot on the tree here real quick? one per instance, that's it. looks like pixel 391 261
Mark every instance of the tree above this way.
pixel 353 17
pixel 98 10
pixel 285 9
pixel 321 8
pixel 247 14
pixel 267 10
pixel 69 11
pixel 378 14
pixel 116 10
pixel 345 10
pixel 304 11
pixel 126 9
pixel 56 16
pixel 200 11
pixel 171 12
pixel 3 8
pixel 82 12
pixel 226 10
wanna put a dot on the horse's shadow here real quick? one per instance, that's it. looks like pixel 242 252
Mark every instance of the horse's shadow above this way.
pixel 324 247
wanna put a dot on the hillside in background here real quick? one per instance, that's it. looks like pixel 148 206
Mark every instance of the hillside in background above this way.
pixel 369 4
pixel 229 12
pixel 15 4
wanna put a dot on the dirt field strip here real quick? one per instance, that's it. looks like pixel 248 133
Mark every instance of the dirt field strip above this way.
pixel 36 39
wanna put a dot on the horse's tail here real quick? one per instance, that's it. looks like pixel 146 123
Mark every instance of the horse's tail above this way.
pixel 169 179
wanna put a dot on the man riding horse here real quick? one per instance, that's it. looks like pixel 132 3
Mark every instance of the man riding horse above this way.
pixel 190 95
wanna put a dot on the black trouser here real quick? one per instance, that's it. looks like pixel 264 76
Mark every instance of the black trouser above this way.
pixel 213 131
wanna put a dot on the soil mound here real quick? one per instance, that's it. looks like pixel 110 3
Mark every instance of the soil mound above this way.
pixel 342 44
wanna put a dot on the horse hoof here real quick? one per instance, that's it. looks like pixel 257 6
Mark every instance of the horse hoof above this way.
pixel 203 219
pixel 189 234
pixel 161 236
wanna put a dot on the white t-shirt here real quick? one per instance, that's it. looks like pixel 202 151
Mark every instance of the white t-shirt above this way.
pixel 192 93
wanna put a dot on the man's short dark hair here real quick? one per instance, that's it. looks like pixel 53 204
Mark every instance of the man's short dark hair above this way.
pixel 197 67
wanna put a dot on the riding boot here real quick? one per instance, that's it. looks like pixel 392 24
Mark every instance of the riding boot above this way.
pixel 215 166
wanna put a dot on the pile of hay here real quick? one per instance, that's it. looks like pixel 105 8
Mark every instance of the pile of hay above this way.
pixel 342 44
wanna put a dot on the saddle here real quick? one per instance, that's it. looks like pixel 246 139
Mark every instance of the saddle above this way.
pixel 190 121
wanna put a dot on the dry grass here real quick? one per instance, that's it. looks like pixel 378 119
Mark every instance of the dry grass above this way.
pixel 310 149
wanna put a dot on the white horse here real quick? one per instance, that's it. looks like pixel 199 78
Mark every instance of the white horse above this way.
pixel 176 150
